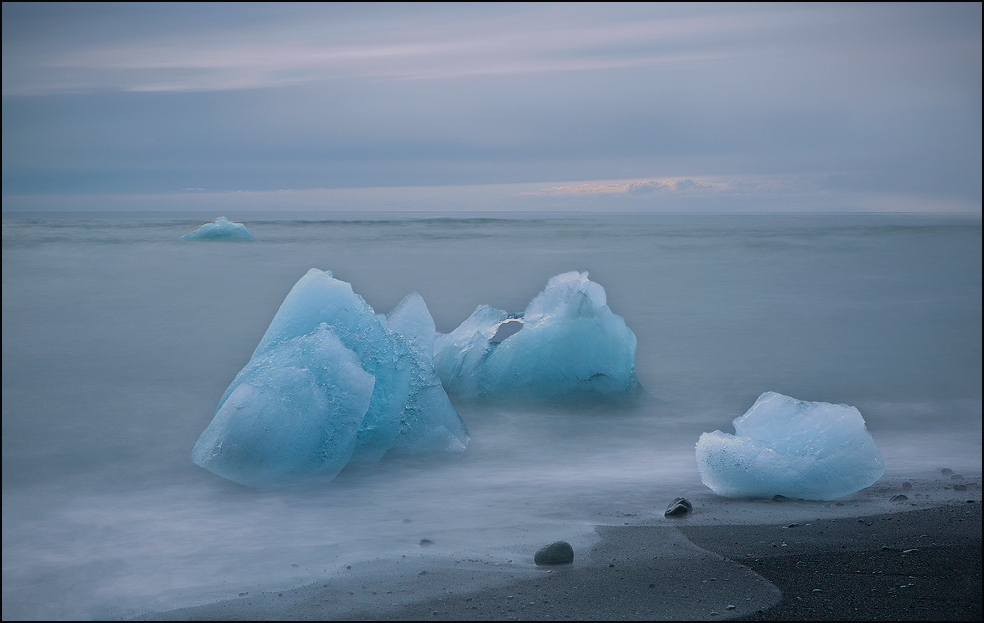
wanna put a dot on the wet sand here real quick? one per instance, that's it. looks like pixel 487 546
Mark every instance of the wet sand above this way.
pixel 919 563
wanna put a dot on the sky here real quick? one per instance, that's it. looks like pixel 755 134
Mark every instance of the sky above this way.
pixel 492 107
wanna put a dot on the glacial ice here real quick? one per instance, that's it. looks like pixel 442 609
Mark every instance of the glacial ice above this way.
pixel 221 229
pixel 794 448
pixel 571 345
pixel 330 384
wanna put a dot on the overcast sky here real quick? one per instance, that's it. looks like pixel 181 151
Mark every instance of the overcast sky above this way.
pixel 729 107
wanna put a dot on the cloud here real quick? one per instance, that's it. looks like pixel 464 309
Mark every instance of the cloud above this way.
pixel 633 188
pixel 644 188
pixel 722 100
pixel 297 45
pixel 689 185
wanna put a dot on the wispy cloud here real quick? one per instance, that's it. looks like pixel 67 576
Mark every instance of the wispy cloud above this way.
pixel 409 47
pixel 689 185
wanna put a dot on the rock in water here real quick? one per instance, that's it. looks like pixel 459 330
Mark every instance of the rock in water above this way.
pixel 570 345
pixel 799 449
pixel 556 553
pixel 331 383
pixel 221 229
pixel 678 508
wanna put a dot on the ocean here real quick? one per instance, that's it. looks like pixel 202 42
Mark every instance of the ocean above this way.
pixel 119 340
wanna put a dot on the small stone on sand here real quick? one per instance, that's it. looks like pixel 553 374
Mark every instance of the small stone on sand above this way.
pixel 679 506
pixel 556 553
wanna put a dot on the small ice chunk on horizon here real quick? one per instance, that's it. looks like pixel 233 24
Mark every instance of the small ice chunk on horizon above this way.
pixel 569 345
pixel 794 448
pixel 221 229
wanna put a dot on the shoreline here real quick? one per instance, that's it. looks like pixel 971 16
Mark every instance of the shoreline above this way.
pixel 909 564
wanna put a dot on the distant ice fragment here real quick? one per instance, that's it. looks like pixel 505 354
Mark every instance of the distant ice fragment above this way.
pixel 570 345
pixel 331 383
pixel 793 448
pixel 221 229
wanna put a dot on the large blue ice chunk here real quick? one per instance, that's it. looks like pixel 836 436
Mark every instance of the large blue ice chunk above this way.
pixel 570 345
pixel 429 420
pixel 794 448
pixel 221 229
pixel 294 411
pixel 331 383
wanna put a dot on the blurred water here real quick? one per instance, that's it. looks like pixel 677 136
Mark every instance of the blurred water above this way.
pixel 118 341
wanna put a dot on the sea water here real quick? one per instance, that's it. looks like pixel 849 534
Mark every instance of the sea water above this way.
pixel 119 340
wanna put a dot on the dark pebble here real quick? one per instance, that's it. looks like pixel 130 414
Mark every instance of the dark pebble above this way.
pixel 556 553
pixel 679 506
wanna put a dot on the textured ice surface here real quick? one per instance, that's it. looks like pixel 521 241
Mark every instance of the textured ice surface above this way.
pixel 794 448
pixel 331 383
pixel 571 345
pixel 221 229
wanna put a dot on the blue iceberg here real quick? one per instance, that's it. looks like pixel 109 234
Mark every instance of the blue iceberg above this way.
pixel 794 448
pixel 330 384
pixel 570 347
pixel 221 229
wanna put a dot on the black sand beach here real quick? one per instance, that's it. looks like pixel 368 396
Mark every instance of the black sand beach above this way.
pixel 918 564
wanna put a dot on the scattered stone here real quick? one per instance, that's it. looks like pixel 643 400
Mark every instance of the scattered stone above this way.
pixel 959 487
pixel 793 525
pixel 906 485
pixel 956 477
pixel 556 553
pixel 899 498
pixel 407 520
pixel 426 542
pixel 779 498
pixel 946 471
pixel 679 506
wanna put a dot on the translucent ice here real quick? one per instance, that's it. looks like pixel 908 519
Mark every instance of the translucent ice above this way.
pixel 570 345
pixel 221 229
pixel 429 421
pixel 794 448
pixel 330 384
